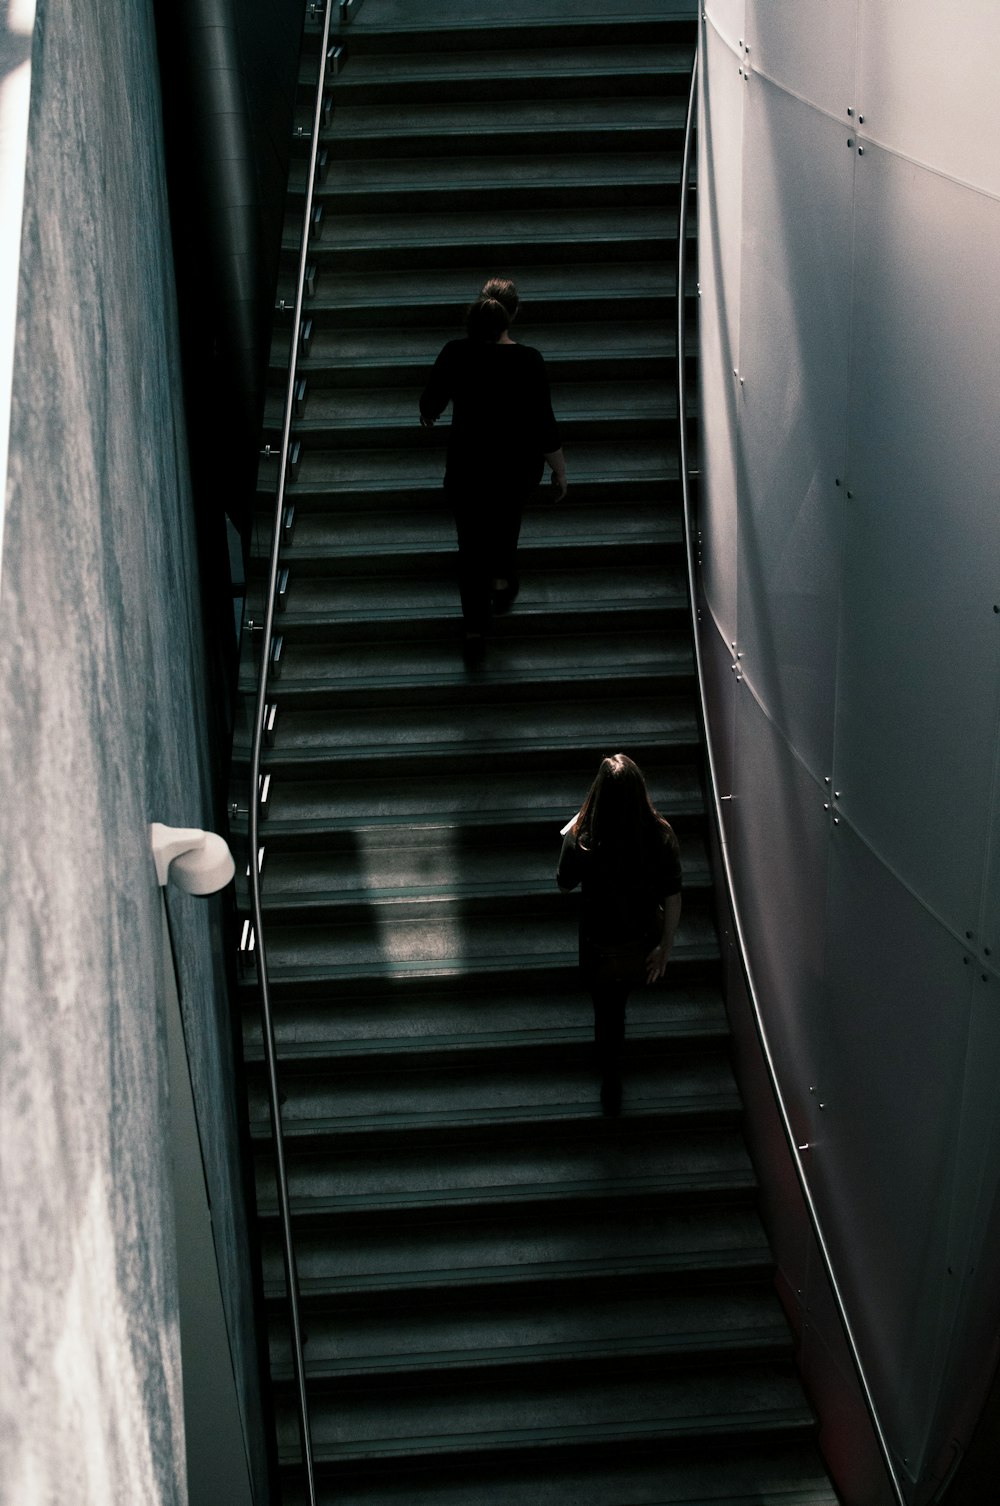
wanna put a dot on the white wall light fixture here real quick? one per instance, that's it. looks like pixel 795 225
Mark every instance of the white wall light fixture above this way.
pixel 198 862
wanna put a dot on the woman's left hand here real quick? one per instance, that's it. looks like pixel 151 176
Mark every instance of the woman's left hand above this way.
pixel 656 963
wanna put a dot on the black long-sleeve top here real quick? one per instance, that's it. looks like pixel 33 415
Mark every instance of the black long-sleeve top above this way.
pixel 502 422
pixel 621 889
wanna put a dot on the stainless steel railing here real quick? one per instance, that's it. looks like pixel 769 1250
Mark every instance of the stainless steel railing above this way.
pixel 267 1020
pixel 757 1012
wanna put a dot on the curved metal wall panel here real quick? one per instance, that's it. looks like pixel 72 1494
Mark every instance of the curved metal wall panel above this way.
pixel 807 48
pixel 890 1049
pixel 794 361
pixel 919 690
pixel 849 275
pixel 780 834
pixel 927 84
pixel 720 129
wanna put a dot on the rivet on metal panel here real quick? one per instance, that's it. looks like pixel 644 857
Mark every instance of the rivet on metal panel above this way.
pixel 986 977
pixel 861 151
pixel 986 951
pixel 826 779
pixel 739 655
pixel 861 120
pixel 850 110
pixel 836 480
pixel 966 960
pixel 822 1105
pixel 836 820
pixel 826 805
pixel 968 935
pixel 850 141
pixel 836 794
pixel 850 496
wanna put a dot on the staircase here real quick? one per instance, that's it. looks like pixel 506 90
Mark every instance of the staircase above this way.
pixel 508 1298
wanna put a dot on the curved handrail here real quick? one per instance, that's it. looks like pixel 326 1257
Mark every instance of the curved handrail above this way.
pixel 267 1022
pixel 752 994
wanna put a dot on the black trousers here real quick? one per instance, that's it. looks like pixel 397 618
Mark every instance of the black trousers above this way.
pixel 488 526
pixel 609 1001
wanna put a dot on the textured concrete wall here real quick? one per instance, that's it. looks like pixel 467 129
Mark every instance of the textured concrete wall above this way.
pixel 101 717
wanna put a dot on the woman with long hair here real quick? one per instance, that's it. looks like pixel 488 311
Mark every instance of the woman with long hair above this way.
pixel 502 434
pixel 626 859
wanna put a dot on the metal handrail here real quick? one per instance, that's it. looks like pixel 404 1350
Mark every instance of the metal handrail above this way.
pixel 267 1022
pixel 752 994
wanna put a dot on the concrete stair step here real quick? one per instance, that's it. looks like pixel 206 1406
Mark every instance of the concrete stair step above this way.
pixel 348 1349
pixel 425 1024
pixel 389 240
pixel 321 608
pixel 446 946
pixel 525 74
pixel 591 1168
pixel 515 1095
pixel 592 291
pixel 371 867
pixel 426 1265
pixel 367 674
pixel 365 480
pixel 585 362
pixel 547 746
pixel 596 127
pixel 747 1473
pixel 459 800
pixel 525 180
pixel 583 1415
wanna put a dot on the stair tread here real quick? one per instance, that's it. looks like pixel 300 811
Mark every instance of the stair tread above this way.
pixel 783 1474
pixel 699 1321
pixel 403 864
pixel 539 286
pixel 709 1403
pixel 329 1095
pixel 477 174
pixel 617 225
pixel 533 1018
pixel 601 1161
pixel 447 943
pixel 644 114
pixel 461 801
pixel 341 599
pixel 347 407
pixel 398 68
pixel 422 465
pixel 466 1257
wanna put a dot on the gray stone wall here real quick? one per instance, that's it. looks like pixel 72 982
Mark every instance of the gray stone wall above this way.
pixel 102 701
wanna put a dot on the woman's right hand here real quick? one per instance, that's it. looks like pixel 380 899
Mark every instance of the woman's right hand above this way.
pixel 559 482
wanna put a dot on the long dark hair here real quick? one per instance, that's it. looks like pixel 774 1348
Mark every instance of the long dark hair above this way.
pixel 617 815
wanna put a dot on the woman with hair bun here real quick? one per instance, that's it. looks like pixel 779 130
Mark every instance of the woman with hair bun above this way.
pixel 626 859
pixel 502 434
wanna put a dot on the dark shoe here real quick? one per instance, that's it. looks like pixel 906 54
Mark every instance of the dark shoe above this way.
pixel 611 1096
pixel 505 596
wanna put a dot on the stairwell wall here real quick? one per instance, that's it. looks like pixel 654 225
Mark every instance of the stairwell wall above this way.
pixel 849 211
pixel 102 718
